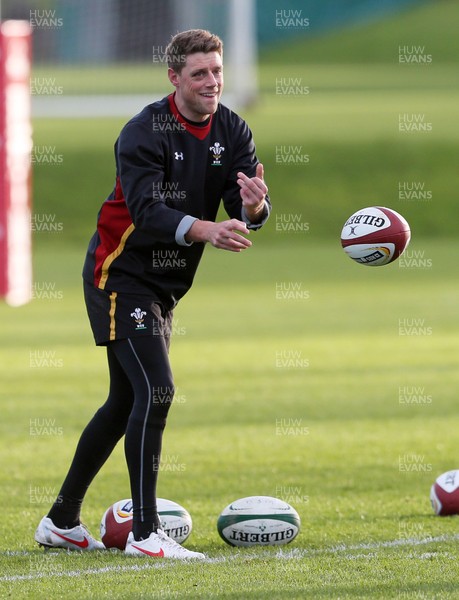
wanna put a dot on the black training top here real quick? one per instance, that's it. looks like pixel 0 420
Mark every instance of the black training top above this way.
pixel 169 172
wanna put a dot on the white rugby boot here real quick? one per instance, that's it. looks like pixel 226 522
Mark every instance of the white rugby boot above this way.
pixel 76 538
pixel 159 545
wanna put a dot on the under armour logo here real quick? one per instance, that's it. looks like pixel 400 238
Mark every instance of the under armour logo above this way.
pixel 178 155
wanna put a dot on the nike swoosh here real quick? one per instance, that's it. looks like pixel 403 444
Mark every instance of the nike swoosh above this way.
pixel 80 543
pixel 158 554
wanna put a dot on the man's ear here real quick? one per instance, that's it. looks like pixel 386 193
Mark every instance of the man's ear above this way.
pixel 173 77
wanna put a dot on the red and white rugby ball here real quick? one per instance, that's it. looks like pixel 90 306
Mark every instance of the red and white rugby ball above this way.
pixel 116 522
pixel 375 236
pixel 444 494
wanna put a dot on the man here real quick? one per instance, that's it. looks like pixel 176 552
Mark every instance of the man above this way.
pixel 175 161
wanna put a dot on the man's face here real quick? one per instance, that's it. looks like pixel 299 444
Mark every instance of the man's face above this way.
pixel 199 85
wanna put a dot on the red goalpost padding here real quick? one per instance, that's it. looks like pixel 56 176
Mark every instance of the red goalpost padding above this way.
pixel 15 162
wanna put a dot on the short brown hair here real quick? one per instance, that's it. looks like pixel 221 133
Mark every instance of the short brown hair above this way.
pixel 188 42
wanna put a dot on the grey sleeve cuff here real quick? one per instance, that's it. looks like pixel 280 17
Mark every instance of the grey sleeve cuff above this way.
pixel 250 225
pixel 182 229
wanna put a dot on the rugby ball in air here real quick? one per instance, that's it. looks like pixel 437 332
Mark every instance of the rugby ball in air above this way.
pixel 258 521
pixel 116 522
pixel 375 236
pixel 444 494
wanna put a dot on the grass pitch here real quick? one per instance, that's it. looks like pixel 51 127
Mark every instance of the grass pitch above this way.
pixel 339 396
pixel 299 374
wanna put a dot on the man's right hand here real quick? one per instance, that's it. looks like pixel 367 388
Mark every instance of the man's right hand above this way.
pixel 225 235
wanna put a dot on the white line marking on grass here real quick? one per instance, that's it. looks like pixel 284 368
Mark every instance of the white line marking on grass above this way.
pixel 301 553
pixel 293 554
pixel 82 572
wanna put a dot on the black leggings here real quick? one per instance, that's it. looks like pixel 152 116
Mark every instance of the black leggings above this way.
pixel 141 392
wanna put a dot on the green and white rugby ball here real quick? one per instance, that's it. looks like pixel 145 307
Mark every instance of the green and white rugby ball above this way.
pixel 258 521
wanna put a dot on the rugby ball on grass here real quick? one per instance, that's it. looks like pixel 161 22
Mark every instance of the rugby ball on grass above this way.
pixel 444 494
pixel 116 522
pixel 375 236
pixel 258 521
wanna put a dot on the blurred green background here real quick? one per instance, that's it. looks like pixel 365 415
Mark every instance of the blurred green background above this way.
pixel 335 99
